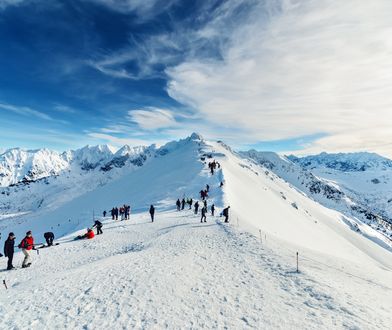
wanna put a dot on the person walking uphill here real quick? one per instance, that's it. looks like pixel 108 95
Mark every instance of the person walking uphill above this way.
pixel 196 207
pixel 27 244
pixel 99 225
pixel 225 213
pixel 183 204
pixel 9 248
pixel 152 212
pixel 203 214
pixel 178 204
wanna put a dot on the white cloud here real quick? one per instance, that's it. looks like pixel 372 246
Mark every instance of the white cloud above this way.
pixel 294 68
pixel 152 118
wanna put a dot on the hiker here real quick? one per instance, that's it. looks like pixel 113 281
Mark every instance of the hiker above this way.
pixel 27 244
pixel 49 237
pixel 9 248
pixel 221 184
pixel 203 214
pixel 178 203
pixel 116 213
pixel 190 203
pixel 202 194
pixel 104 214
pixel 213 209
pixel 183 204
pixel 99 225
pixel 207 188
pixel 196 207
pixel 89 235
pixel 225 213
pixel 152 212
pixel 127 211
pixel 113 213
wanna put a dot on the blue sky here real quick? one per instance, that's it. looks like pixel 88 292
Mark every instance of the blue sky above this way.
pixel 300 76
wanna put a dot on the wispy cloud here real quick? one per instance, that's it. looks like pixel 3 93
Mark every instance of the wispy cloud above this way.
pixel 294 68
pixel 152 118
pixel 6 3
pixel 64 108
pixel 119 141
pixel 145 9
pixel 25 111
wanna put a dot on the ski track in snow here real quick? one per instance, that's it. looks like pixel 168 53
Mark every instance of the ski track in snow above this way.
pixel 174 273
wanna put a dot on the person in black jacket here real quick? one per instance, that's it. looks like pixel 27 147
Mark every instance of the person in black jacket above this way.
pixel 183 204
pixel 213 209
pixel 9 247
pixel 152 212
pixel 99 225
pixel 196 207
pixel 225 213
pixel 49 237
pixel 203 214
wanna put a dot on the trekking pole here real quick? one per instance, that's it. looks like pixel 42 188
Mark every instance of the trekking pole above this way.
pixel 297 263
pixel 5 284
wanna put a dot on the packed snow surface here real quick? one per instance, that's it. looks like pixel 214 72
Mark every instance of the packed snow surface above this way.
pixel 180 273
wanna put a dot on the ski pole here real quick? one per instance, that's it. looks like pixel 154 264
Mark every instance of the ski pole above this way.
pixel 5 284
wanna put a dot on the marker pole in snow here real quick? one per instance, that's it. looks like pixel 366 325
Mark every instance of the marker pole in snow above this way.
pixel 261 238
pixel 5 284
pixel 297 264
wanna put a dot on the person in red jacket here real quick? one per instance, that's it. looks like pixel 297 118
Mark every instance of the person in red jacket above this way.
pixel 27 244
pixel 90 234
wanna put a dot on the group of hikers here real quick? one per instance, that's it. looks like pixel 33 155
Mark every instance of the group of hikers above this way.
pixel 180 205
pixel 213 166
pixel 27 243
pixel 123 211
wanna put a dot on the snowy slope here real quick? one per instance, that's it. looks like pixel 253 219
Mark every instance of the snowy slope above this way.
pixel 179 273
pixel 365 177
pixel 350 192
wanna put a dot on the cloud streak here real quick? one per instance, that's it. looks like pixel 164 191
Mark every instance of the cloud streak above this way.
pixel 25 111
pixel 152 118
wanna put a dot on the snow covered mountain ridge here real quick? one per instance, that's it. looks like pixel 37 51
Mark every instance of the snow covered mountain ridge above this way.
pixel 356 184
pixel 22 166
pixel 345 162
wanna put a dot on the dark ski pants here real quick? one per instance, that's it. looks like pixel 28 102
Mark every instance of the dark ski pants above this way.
pixel 152 217
pixel 99 230
pixel 9 263
pixel 226 218
pixel 49 241
pixel 203 217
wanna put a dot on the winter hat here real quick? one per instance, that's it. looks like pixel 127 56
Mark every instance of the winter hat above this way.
pixel 11 234
pixel 28 233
